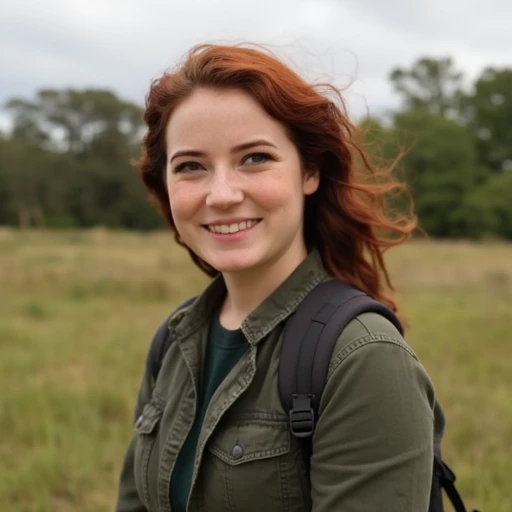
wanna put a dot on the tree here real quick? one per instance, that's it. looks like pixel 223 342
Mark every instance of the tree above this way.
pixel 22 179
pixel 441 168
pixel 75 118
pixel 488 111
pixel 67 162
pixel 430 84
pixel 495 199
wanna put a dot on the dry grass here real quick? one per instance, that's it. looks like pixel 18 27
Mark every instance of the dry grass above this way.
pixel 78 309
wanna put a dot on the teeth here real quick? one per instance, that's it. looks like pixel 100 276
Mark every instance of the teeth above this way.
pixel 232 228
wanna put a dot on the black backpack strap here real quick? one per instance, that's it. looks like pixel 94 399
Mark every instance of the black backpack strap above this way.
pixel 444 478
pixel 309 339
pixel 161 342
pixel 436 494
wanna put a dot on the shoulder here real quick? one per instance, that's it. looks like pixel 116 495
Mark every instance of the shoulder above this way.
pixel 371 354
pixel 372 363
pixel 376 421
pixel 368 329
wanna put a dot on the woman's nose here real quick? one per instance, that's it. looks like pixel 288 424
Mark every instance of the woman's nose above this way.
pixel 224 190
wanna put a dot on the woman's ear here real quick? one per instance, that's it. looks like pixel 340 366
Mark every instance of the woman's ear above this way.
pixel 311 181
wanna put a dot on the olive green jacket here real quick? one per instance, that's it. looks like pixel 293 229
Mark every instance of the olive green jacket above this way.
pixel 373 443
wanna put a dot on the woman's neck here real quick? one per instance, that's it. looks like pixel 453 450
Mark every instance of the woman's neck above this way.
pixel 247 290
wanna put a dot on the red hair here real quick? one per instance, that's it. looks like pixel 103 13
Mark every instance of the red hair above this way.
pixel 348 219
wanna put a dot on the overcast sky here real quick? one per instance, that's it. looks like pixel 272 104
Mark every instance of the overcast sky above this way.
pixel 123 44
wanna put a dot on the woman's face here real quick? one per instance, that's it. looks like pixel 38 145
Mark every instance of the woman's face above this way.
pixel 235 184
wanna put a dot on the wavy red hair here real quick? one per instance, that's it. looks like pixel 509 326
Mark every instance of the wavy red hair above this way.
pixel 348 219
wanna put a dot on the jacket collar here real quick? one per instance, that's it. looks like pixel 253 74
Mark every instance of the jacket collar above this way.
pixel 277 307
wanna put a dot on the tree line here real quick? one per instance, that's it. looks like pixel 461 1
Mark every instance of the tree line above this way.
pixel 66 160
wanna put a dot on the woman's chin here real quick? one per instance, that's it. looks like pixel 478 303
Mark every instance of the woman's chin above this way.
pixel 232 265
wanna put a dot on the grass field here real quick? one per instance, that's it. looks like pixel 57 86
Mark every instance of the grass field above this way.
pixel 78 310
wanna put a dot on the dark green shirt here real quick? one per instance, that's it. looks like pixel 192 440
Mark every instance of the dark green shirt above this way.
pixel 224 350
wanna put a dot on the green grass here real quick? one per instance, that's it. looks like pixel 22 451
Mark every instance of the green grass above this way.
pixel 79 308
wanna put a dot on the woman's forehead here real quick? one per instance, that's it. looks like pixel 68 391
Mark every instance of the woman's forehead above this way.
pixel 227 117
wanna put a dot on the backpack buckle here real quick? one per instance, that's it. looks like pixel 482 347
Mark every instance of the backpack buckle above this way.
pixel 302 416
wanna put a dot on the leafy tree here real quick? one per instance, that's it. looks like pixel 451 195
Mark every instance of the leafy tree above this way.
pixel 75 118
pixel 67 162
pixel 488 111
pixel 22 180
pixel 7 210
pixel 441 168
pixel 431 84
pixel 495 199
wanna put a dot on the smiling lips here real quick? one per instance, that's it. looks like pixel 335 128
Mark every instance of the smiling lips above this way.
pixel 227 229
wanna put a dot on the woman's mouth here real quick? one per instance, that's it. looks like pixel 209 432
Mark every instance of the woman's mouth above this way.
pixel 232 228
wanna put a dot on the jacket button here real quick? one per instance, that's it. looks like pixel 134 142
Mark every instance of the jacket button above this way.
pixel 139 421
pixel 237 452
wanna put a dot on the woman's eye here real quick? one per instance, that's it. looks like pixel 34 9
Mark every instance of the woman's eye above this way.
pixel 257 158
pixel 187 166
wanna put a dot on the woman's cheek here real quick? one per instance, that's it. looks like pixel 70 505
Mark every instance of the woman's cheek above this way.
pixel 273 194
pixel 184 201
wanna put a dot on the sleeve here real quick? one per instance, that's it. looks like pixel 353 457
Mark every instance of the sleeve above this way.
pixel 373 443
pixel 128 498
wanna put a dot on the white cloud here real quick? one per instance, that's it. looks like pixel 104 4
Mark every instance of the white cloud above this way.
pixel 124 44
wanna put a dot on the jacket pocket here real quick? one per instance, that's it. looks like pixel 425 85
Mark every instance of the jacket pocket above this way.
pixel 248 441
pixel 146 433
pixel 249 466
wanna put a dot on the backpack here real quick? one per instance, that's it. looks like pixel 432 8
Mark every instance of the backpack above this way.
pixel 309 338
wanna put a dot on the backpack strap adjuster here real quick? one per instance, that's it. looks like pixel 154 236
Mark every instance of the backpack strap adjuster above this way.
pixel 302 416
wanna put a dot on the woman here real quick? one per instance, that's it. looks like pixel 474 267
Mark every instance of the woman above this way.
pixel 259 176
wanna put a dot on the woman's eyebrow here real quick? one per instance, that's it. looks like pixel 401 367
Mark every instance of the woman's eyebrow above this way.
pixel 236 149
pixel 252 144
